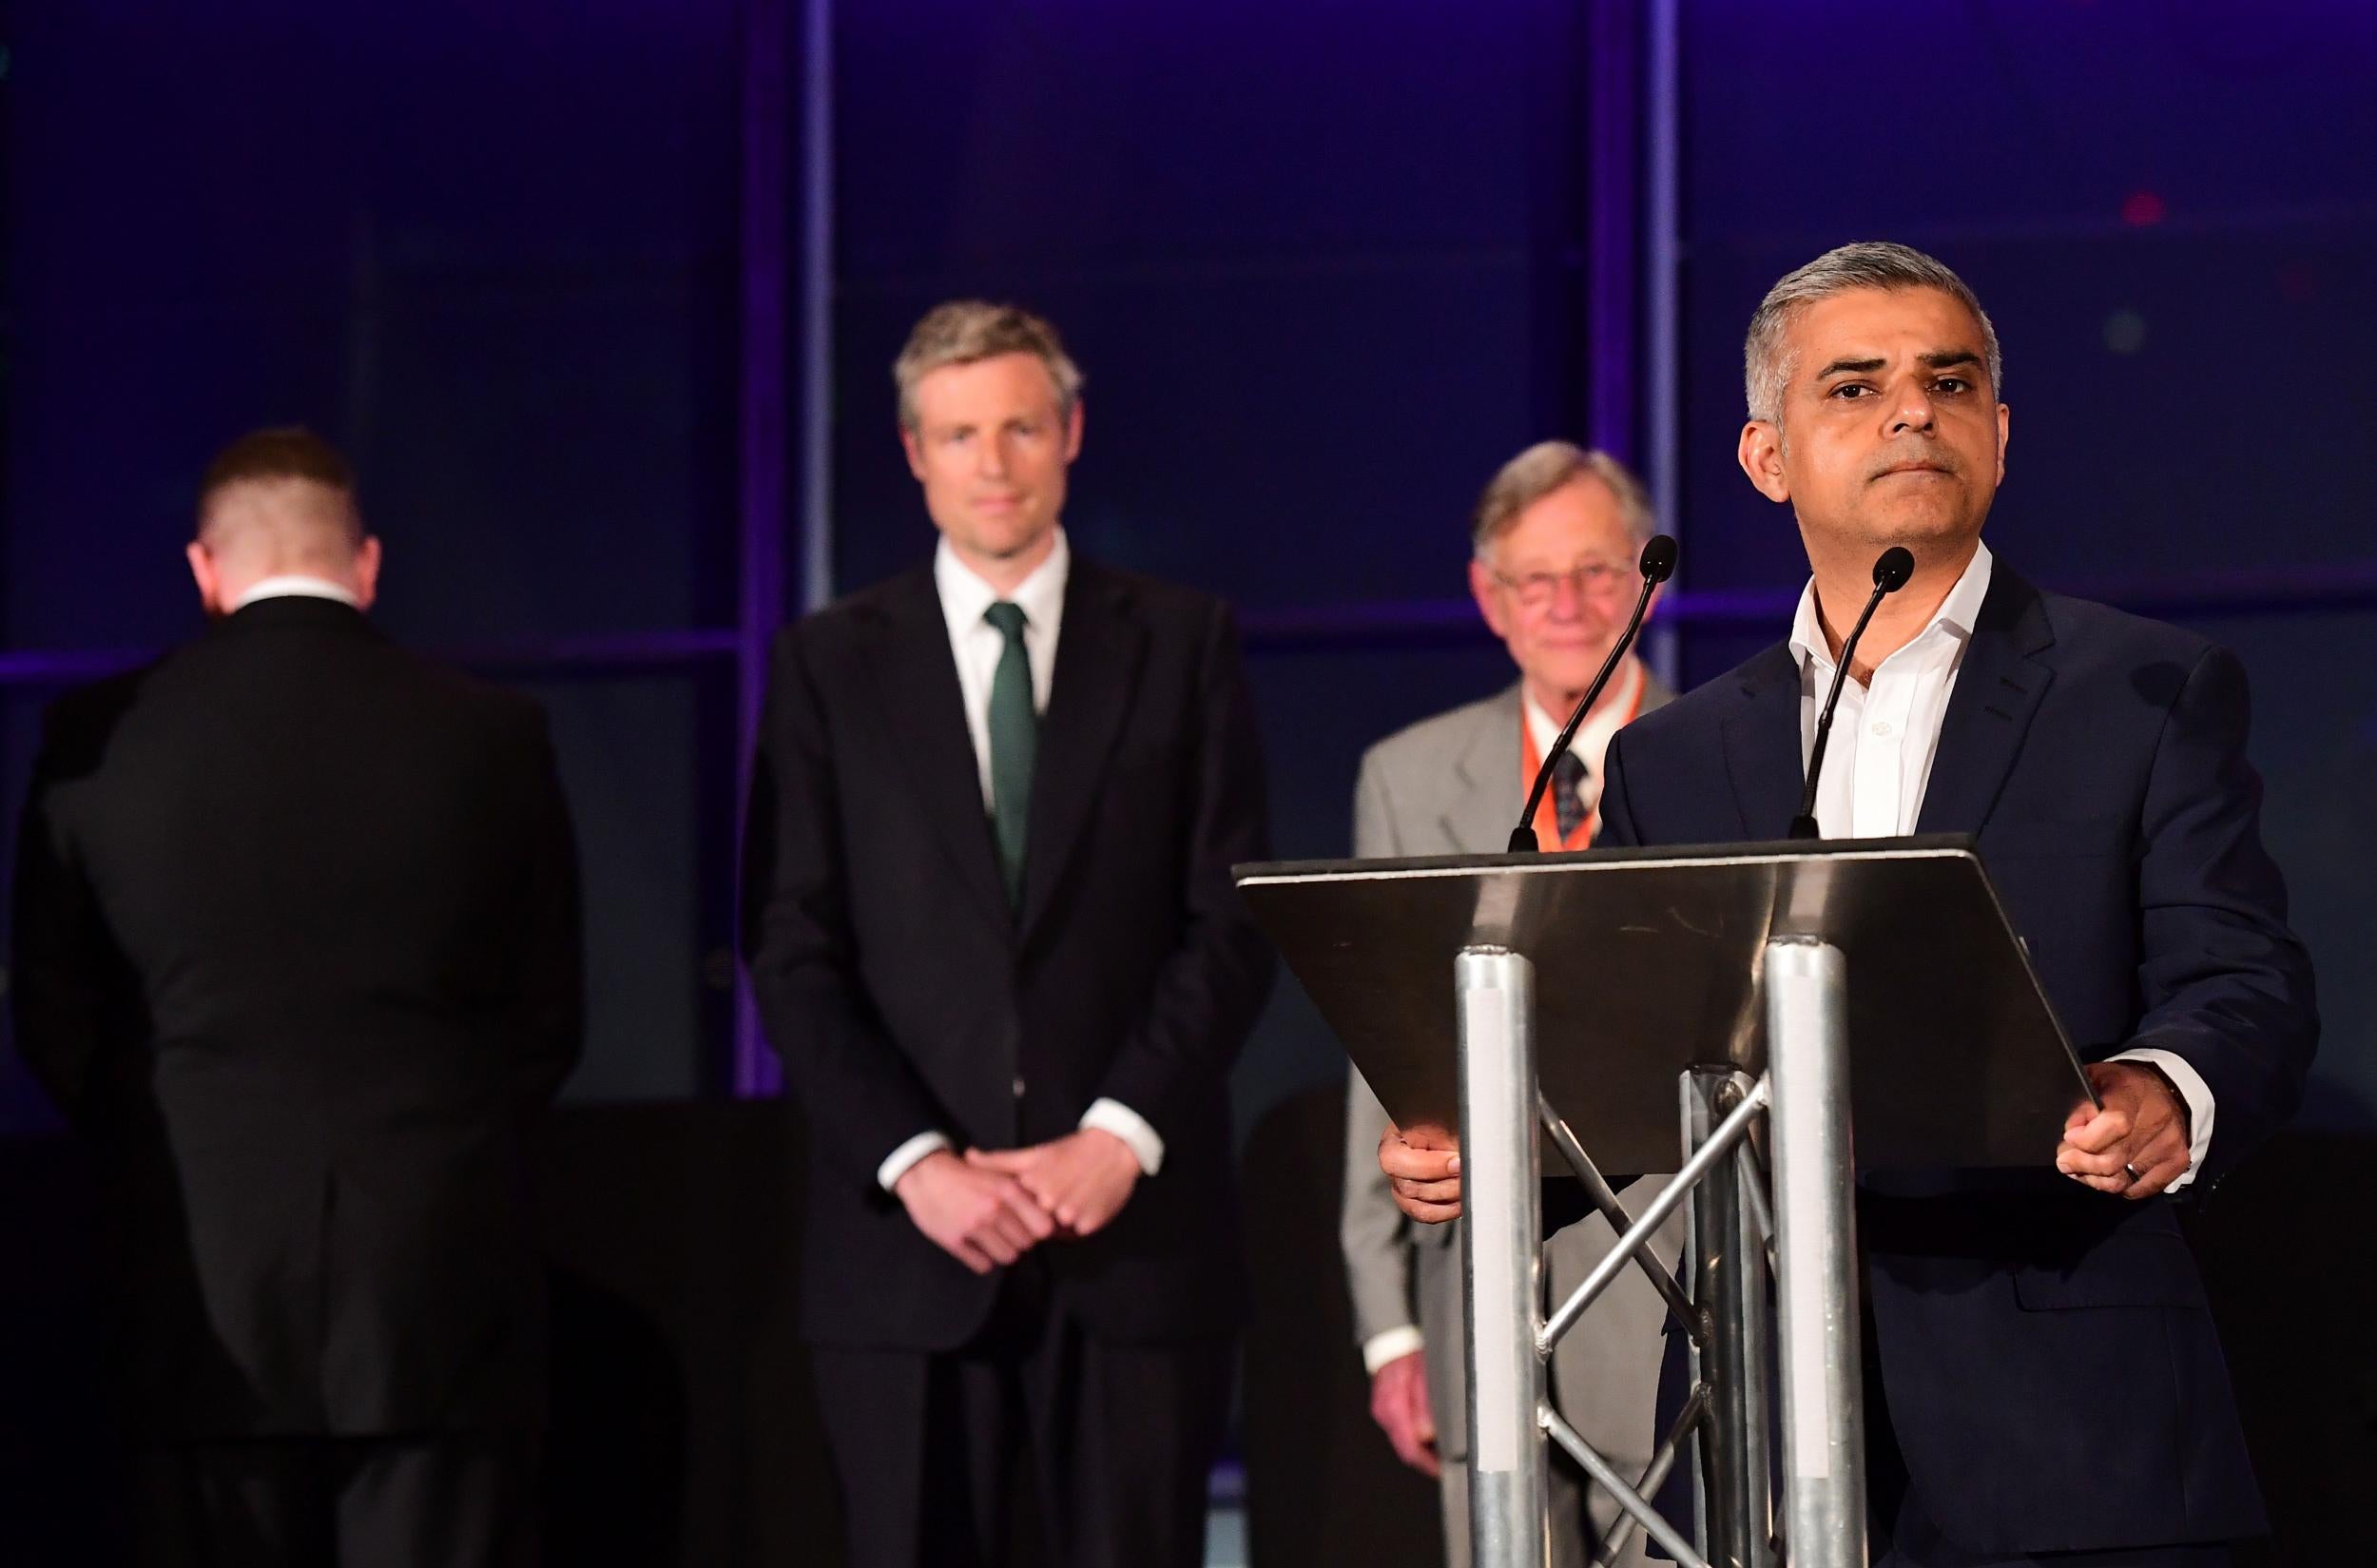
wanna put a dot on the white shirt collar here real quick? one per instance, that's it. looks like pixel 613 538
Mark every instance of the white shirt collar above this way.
pixel 965 596
pixel 1958 614
pixel 297 585
pixel 1593 736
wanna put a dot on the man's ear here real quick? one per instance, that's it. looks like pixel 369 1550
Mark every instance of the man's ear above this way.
pixel 1073 431
pixel 915 453
pixel 1481 586
pixel 1761 455
pixel 203 573
pixel 367 559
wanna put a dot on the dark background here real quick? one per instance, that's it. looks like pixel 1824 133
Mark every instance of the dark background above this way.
pixel 1326 263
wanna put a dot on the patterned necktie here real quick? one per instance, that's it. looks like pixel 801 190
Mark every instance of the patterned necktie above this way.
pixel 1568 799
pixel 1014 739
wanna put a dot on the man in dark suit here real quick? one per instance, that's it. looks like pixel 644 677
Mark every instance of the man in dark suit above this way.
pixel 990 923
pixel 296 947
pixel 2044 1384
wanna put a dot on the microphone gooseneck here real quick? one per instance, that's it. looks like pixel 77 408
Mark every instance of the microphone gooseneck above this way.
pixel 1657 565
pixel 1890 572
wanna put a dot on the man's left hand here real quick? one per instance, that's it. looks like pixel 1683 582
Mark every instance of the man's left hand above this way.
pixel 1082 1179
pixel 2141 1127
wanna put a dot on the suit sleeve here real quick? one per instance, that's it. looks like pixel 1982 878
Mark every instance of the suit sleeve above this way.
pixel 549 988
pixel 1371 1231
pixel 864 1098
pixel 1214 981
pixel 2226 986
pixel 65 976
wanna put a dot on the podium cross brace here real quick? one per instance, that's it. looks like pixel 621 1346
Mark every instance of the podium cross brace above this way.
pixel 1604 1197
pixel 1635 1240
pixel 1638 1508
pixel 1693 1417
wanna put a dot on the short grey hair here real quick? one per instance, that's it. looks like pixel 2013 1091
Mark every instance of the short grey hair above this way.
pixel 1765 355
pixel 1547 467
pixel 962 331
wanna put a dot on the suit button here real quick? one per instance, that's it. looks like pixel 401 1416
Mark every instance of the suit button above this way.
pixel 1018 1088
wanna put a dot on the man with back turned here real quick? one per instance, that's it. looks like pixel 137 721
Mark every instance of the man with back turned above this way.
pixel 296 931
pixel 2044 1385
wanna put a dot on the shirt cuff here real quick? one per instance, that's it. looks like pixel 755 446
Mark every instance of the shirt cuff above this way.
pixel 1394 1345
pixel 903 1158
pixel 2192 1088
pixel 1115 1117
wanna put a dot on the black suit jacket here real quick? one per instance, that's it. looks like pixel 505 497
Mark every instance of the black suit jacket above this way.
pixel 2047 1354
pixel 904 995
pixel 296 932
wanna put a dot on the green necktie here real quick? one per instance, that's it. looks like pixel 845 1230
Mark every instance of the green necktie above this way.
pixel 1015 738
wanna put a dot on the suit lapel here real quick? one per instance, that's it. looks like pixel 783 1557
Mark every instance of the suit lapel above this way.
pixel 1099 647
pixel 926 717
pixel 1762 747
pixel 1486 796
pixel 1997 689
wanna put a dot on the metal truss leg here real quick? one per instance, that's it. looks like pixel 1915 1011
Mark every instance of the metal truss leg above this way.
pixel 1501 1256
pixel 1823 1427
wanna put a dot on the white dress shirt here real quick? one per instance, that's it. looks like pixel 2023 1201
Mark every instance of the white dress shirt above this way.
pixel 1878 762
pixel 1591 743
pixel 977 647
pixel 295 585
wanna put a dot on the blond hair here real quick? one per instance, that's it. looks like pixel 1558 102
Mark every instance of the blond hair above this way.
pixel 1547 467
pixel 962 331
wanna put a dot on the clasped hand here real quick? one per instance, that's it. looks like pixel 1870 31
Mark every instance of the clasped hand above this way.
pixel 990 1207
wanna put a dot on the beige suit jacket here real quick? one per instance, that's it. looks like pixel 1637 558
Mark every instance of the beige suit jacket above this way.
pixel 1450 785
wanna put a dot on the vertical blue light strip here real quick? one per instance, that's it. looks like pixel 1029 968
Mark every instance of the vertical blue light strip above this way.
pixel 1663 305
pixel 817 308
pixel 765 425
pixel 1613 240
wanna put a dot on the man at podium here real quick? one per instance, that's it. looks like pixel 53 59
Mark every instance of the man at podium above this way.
pixel 1553 572
pixel 2044 1381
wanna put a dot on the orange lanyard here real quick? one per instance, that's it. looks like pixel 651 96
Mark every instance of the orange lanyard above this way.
pixel 1530 762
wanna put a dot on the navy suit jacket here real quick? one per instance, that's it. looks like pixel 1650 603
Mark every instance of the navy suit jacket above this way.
pixel 2048 1357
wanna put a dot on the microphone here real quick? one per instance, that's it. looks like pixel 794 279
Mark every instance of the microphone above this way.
pixel 1890 571
pixel 1657 565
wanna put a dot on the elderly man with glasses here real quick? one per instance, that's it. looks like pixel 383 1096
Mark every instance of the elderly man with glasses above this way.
pixel 1555 538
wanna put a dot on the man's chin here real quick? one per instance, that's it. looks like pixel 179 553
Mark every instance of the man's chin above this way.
pixel 1571 676
pixel 1919 525
pixel 1007 536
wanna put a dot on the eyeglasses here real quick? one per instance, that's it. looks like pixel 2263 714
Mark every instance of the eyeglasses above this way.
pixel 1594 579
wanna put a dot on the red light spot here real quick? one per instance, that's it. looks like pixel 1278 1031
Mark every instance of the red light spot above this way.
pixel 2297 283
pixel 2143 207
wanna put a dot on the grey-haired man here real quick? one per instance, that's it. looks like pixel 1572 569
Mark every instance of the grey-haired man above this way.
pixel 1555 536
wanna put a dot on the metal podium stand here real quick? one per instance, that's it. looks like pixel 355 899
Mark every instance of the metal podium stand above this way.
pixel 1788 991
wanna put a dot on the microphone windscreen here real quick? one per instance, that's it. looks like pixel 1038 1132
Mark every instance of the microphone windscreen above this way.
pixel 1892 571
pixel 1658 558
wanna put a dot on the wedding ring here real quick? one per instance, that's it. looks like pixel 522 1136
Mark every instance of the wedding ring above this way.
pixel 2132 1171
